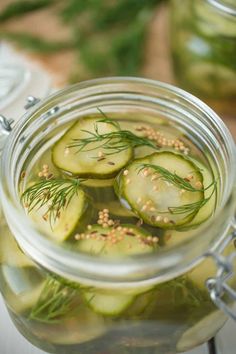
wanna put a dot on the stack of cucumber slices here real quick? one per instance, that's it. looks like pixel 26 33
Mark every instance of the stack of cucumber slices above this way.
pixel 96 159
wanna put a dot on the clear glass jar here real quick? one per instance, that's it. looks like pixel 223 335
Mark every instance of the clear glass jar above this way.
pixel 178 314
pixel 203 34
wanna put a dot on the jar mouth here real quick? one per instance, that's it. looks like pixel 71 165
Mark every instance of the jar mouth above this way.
pixel 225 6
pixel 145 268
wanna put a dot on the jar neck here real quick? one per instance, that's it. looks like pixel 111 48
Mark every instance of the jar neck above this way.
pixel 122 96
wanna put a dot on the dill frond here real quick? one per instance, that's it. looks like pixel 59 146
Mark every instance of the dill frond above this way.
pixel 55 193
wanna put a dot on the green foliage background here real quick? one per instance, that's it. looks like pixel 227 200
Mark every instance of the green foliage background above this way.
pixel 108 36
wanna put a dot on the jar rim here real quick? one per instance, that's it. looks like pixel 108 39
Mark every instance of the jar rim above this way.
pixel 47 254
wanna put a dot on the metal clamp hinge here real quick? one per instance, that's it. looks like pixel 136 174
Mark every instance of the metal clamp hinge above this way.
pixel 31 101
pixel 220 292
pixel 5 125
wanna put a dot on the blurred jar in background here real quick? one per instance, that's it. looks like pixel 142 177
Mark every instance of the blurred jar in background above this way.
pixel 203 36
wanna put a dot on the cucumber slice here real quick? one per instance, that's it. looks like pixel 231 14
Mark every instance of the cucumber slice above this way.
pixel 150 198
pixel 10 253
pixel 108 304
pixel 201 332
pixel 83 327
pixel 115 209
pixel 98 183
pixel 166 131
pixel 70 217
pixel 88 163
pixel 20 303
pixel 97 241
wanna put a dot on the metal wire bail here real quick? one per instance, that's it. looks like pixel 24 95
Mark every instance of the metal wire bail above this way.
pixel 217 286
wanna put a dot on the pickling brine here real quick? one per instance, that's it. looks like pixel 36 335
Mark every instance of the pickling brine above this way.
pixel 115 187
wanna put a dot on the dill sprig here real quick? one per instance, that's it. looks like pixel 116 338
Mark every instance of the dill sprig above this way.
pixel 113 142
pixel 55 301
pixel 56 194
pixel 181 183
pixel 108 120
pixel 22 7
pixel 173 178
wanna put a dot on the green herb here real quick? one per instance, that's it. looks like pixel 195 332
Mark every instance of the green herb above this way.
pixel 36 44
pixel 107 120
pixel 55 301
pixel 18 8
pixel 181 183
pixel 113 143
pixel 108 37
pixel 56 194
pixel 173 178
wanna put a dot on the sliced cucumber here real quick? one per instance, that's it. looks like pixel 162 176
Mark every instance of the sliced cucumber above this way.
pixel 93 161
pixel 150 197
pixel 10 253
pixel 129 242
pixel 115 208
pixel 202 331
pixel 19 303
pixel 83 327
pixel 97 241
pixel 166 131
pixel 69 219
pixel 98 183
pixel 108 304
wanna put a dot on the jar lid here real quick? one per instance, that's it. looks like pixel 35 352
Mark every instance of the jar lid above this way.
pixel 17 82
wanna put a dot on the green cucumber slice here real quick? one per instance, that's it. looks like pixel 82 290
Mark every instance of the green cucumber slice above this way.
pixel 98 183
pixel 113 303
pixel 89 163
pixel 83 327
pixel 10 253
pixel 202 331
pixel 19 303
pixel 136 190
pixel 96 241
pixel 115 209
pixel 70 217
pixel 108 304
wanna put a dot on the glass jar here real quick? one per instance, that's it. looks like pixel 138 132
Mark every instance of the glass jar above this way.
pixel 179 312
pixel 203 36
